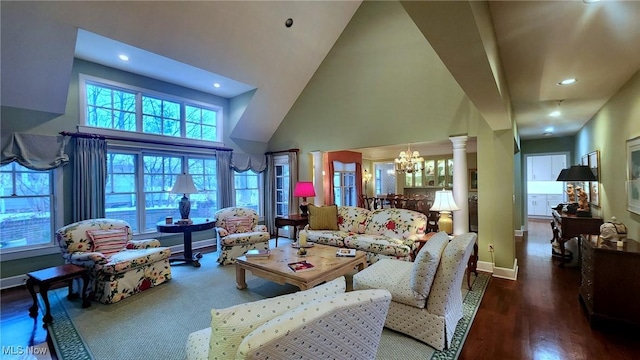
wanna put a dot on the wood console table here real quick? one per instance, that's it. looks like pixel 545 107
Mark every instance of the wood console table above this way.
pixel 571 226
pixel 610 286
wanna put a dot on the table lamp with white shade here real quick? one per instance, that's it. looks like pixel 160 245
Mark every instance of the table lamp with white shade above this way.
pixel 184 185
pixel 445 204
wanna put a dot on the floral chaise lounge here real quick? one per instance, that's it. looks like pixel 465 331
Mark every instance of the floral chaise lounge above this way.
pixel 383 233
pixel 119 266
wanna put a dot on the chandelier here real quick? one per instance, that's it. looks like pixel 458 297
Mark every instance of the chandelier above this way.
pixel 409 161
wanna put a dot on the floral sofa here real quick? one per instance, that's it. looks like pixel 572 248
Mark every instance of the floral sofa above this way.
pixel 382 233
pixel 237 231
pixel 119 266
pixel 426 294
pixel 309 324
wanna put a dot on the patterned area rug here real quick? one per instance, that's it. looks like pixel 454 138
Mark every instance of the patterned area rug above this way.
pixel 155 324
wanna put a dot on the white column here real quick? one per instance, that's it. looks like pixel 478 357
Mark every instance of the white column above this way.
pixel 318 184
pixel 460 185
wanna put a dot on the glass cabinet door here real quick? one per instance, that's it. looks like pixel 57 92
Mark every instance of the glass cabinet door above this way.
pixel 430 173
pixel 442 174
pixel 449 172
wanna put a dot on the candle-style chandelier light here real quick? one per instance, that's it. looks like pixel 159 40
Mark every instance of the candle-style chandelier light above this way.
pixel 409 161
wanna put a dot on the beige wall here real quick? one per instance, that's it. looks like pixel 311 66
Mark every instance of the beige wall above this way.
pixel 608 131
pixel 383 84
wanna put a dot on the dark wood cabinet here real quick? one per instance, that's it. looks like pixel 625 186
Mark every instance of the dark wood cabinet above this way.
pixel 610 286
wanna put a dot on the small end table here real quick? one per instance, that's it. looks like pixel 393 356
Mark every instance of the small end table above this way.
pixel 46 277
pixel 197 224
pixel 294 220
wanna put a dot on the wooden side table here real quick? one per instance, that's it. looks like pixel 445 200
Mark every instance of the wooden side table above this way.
pixel 291 220
pixel 46 277
pixel 198 224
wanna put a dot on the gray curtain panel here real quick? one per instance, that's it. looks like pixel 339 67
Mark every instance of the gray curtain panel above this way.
pixel 89 178
pixel 270 196
pixel 35 152
pixel 225 179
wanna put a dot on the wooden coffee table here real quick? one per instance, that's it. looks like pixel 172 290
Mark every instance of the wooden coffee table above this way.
pixel 327 266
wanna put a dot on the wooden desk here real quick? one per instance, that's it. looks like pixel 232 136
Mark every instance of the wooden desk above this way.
pixel 571 226
pixel 46 277
pixel 198 224
pixel 610 286
pixel 294 220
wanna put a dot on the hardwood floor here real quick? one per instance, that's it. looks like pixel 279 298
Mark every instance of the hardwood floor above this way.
pixel 536 317
pixel 539 316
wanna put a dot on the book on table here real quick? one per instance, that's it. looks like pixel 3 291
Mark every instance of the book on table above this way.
pixel 301 266
pixel 346 252
pixel 255 253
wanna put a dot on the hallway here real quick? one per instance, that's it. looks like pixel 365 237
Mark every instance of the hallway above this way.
pixel 539 316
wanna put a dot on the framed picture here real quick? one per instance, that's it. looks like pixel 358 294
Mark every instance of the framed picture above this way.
pixel 585 185
pixel 473 179
pixel 594 186
pixel 633 175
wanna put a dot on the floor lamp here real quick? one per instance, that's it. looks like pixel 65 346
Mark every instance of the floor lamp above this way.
pixel 445 204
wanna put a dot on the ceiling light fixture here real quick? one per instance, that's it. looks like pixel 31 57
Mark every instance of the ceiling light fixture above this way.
pixel 216 85
pixel 409 161
pixel 556 113
pixel 568 81
pixel 590 1
pixel 123 57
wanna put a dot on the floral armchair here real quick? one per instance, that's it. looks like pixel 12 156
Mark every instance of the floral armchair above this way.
pixel 237 231
pixel 119 266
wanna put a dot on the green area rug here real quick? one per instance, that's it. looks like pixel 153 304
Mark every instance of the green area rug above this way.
pixel 155 324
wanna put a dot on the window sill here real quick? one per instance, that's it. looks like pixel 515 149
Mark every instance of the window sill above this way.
pixel 16 254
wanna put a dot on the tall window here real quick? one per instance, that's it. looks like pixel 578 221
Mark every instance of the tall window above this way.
pixel 282 189
pixel 116 106
pixel 26 207
pixel 247 188
pixel 344 184
pixel 133 175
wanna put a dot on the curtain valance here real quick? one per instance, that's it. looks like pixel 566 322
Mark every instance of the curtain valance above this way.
pixel 242 162
pixel 33 151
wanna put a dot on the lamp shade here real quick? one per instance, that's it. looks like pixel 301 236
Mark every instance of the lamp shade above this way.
pixel 580 173
pixel 444 201
pixel 184 185
pixel 562 175
pixel 304 189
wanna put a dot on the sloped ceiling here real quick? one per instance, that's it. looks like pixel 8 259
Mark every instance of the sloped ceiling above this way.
pixel 243 40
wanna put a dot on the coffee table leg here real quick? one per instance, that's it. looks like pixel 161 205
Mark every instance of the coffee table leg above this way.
pixel 240 278
pixel 33 310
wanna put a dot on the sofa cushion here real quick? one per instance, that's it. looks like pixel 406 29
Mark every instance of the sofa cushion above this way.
pixel 108 241
pixel 352 219
pixel 245 238
pixel 326 237
pixel 323 217
pixel 379 244
pixel 426 264
pixel 231 325
pixel 400 223
pixel 123 261
pixel 392 275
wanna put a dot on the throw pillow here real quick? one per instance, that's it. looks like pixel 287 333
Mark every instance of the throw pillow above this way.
pixel 108 241
pixel 426 264
pixel 323 217
pixel 239 224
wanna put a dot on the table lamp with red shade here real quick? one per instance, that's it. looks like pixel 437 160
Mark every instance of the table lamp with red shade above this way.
pixel 304 189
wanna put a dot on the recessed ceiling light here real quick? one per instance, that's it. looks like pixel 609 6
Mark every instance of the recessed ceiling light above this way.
pixel 567 81
pixel 123 57
pixel 549 129
pixel 590 1
pixel 216 85
pixel 554 113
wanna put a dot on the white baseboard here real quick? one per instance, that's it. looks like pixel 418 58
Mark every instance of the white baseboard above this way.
pixel 18 280
pixel 499 272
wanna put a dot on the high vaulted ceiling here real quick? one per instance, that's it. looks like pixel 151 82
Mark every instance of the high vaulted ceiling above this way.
pixel 508 56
